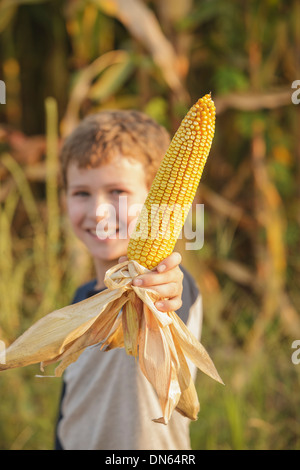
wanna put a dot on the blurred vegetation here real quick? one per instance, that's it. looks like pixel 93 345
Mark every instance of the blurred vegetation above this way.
pixel 61 60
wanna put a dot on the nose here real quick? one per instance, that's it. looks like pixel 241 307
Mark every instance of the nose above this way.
pixel 104 210
pixel 106 220
pixel 98 208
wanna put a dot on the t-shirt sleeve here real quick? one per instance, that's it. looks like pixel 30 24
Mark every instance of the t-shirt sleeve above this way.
pixel 84 291
pixel 191 297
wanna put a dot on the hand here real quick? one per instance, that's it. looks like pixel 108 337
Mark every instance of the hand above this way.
pixel 166 279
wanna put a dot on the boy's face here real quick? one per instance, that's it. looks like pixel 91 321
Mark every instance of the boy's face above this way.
pixel 103 204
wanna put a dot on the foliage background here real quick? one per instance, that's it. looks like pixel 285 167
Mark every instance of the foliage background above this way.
pixel 62 59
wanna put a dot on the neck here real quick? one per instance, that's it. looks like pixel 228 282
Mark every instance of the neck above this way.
pixel 101 269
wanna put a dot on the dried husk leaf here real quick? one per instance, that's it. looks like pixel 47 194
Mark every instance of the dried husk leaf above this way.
pixel 115 339
pixel 192 348
pixel 174 394
pixel 148 297
pixel 52 335
pixel 94 335
pixel 131 324
pixel 188 404
pixel 155 363
pixel 160 340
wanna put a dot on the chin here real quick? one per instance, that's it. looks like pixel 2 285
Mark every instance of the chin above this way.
pixel 108 255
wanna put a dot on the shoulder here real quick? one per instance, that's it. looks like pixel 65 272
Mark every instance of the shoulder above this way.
pixel 190 294
pixel 189 284
pixel 84 291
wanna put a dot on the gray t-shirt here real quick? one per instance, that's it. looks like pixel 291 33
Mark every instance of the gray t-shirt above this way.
pixel 108 404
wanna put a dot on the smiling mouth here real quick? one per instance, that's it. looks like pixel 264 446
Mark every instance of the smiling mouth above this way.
pixel 101 235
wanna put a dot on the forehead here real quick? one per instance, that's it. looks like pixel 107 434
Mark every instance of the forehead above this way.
pixel 117 171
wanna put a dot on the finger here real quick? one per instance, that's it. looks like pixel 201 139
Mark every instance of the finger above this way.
pixel 169 305
pixel 173 260
pixel 168 291
pixel 155 279
pixel 122 259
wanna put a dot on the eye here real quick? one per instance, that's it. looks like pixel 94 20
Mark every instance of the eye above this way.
pixel 119 192
pixel 81 193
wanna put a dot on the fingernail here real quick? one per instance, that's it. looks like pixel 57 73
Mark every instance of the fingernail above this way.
pixel 137 282
pixel 161 268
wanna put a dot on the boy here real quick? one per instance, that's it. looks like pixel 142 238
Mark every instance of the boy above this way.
pixel 107 403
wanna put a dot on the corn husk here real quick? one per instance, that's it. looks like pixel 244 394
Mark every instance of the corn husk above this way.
pixel 122 315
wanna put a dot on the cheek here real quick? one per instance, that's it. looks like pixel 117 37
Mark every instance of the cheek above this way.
pixel 75 213
pixel 130 216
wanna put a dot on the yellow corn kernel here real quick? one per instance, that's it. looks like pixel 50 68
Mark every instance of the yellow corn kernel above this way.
pixel 174 187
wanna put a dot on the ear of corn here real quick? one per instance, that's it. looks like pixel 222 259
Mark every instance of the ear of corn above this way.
pixel 174 187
